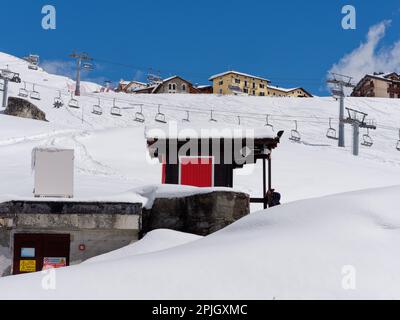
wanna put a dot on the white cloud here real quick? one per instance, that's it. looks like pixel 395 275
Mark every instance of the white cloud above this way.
pixel 368 57
pixel 60 67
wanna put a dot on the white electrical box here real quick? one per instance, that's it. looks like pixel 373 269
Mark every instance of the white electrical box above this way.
pixel 54 172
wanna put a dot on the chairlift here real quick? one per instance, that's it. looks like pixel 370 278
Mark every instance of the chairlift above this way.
pixel 398 143
pixel 331 133
pixel 139 116
pixel 367 140
pixel 97 109
pixel 115 111
pixel 73 103
pixel 187 119
pixel 35 95
pixel 23 93
pixel 295 134
pixel 212 118
pixel 58 103
pixel 160 117
pixel 267 124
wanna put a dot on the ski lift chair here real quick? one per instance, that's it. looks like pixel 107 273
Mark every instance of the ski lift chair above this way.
pixel 115 111
pixel 398 143
pixel 58 103
pixel 23 93
pixel 73 103
pixel 139 116
pixel 35 95
pixel 160 117
pixel 187 119
pixel 295 134
pixel 331 133
pixel 212 118
pixel 97 109
pixel 367 140
pixel 267 124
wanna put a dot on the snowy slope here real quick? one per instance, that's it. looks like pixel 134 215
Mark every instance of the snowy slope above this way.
pixel 299 250
pixel 111 153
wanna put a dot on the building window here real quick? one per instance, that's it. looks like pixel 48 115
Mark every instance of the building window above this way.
pixel 183 87
pixel 245 90
pixel 262 94
pixel 172 88
pixel 254 92
pixel 262 86
pixel 254 85
pixel 245 84
pixel 221 82
pixel 237 81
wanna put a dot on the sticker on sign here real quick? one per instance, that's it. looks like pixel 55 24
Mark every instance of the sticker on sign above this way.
pixel 53 263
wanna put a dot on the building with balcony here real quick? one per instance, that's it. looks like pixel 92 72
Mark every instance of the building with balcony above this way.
pixel 379 85
pixel 238 83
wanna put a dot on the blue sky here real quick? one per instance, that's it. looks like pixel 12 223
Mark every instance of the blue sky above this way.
pixel 293 43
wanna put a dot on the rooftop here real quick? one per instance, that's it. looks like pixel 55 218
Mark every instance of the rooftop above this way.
pixel 238 73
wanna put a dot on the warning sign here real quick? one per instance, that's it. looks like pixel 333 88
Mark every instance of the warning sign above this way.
pixel 50 263
pixel 27 266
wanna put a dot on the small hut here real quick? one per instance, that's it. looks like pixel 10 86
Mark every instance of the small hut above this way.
pixel 207 156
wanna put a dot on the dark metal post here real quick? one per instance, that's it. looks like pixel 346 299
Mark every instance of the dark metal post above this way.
pixel 269 172
pixel 265 183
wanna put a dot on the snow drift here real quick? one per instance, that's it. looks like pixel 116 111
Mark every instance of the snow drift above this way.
pixel 297 251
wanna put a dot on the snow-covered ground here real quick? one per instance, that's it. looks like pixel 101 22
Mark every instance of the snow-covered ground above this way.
pixel 111 158
pixel 337 247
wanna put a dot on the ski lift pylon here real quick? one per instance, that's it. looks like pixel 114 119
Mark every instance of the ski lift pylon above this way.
pixel 160 117
pixel 115 110
pixel 331 133
pixel 35 95
pixel 97 109
pixel 295 134
pixel 139 116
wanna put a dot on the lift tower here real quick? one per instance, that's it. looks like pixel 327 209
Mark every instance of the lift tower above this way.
pixel 340 82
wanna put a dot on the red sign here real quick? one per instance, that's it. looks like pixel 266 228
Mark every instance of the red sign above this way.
pixel 54 263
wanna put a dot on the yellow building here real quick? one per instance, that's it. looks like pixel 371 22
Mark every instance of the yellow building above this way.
pixel 299 92
pixel 238 83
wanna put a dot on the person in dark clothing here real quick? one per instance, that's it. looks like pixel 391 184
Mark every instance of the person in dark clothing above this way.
pixel 273 198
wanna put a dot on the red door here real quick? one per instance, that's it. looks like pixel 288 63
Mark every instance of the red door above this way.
pixel 31 250
pixel 196 171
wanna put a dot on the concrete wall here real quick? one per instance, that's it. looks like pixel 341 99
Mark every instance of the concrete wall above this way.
pixel 200 214
pixel 101 227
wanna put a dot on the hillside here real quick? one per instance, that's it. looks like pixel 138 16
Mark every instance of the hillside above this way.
pixel 111 153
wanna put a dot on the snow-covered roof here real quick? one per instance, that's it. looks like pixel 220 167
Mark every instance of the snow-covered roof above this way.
pixel 208 131
pixel 285 89
pixel 238 73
